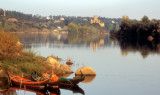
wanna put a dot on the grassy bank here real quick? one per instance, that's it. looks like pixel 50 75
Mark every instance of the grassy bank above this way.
pixel 24 64
pixel 17 60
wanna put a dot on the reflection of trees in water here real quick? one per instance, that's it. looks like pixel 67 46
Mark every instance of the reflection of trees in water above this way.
pixel 3 83
pixel 47 37
pixel 60 40
pixel 143 46
pixel 4 87
pixel 90 40
pixel 9 92
pixel 42 39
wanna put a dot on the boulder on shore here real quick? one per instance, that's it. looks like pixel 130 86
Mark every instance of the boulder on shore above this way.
pixel 85 71
pixel 53 63
pixel 64 69
pixel 57 67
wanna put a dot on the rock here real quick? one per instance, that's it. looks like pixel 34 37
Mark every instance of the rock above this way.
pixel 69 62
pixel 85 71
pixel 88 79
pixel 64 69
pixel 53 63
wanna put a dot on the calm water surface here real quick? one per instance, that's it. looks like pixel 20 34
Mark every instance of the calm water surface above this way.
pixel 122 69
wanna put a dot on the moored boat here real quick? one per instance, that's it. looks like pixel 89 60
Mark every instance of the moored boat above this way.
pixel 27 83
pixel 62 81
pixel 52 84
pixel 71 82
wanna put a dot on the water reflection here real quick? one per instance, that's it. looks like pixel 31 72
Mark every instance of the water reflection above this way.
pixel 94 41
pixel 3 84
pixel 23 91
pixel 144 47
pixel 15 90
pixel 61 40
pixel 74 89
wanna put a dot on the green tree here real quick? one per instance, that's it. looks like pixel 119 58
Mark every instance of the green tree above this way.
pixel 72 28
pixel 4 22
pixel 125 18
pixel 145 19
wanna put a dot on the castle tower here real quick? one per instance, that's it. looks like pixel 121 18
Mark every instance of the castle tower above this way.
pixel 96 20
pixel 4 12
pixel 95 17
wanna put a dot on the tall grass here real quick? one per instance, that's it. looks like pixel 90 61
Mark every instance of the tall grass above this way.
pixel 17 60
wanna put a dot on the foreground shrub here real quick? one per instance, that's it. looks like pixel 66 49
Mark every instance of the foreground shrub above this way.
pixel 9 46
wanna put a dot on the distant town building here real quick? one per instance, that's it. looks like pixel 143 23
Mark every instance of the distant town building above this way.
pixel 113 21
pixel 85 19
pixel 48 17
pixel 62 19
pixel 57 21
pixel 59 27
pixel 96 20
pixel 12 20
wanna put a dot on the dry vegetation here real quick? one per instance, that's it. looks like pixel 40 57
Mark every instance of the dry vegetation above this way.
pixel 15 59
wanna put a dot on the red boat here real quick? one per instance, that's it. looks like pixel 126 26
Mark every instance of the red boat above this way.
pixel 27 83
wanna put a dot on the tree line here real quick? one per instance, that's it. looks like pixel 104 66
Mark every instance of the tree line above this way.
pixel 15 14
pixel 85 28
pixel 145 29
pixel 67 19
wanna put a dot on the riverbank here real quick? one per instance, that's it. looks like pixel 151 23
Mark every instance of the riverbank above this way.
pixel 34 63
pixel 17 60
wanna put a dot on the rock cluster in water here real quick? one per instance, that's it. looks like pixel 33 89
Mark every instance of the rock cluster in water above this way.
pixel 60 68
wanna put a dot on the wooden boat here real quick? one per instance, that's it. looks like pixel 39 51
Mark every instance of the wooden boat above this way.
pixel 27 83
pixel 63 81
pixel 71 82
pixel 50 84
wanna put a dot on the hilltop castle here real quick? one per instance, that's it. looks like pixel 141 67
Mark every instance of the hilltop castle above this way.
pixel 96 20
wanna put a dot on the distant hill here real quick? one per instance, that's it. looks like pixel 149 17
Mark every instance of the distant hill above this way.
pixel 29 22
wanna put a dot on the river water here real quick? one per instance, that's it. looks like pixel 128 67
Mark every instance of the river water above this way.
pixel 121 68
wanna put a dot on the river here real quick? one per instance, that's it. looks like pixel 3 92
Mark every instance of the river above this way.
pixel 121 68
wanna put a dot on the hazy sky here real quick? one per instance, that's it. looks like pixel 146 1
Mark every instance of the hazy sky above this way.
pixel 135 9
